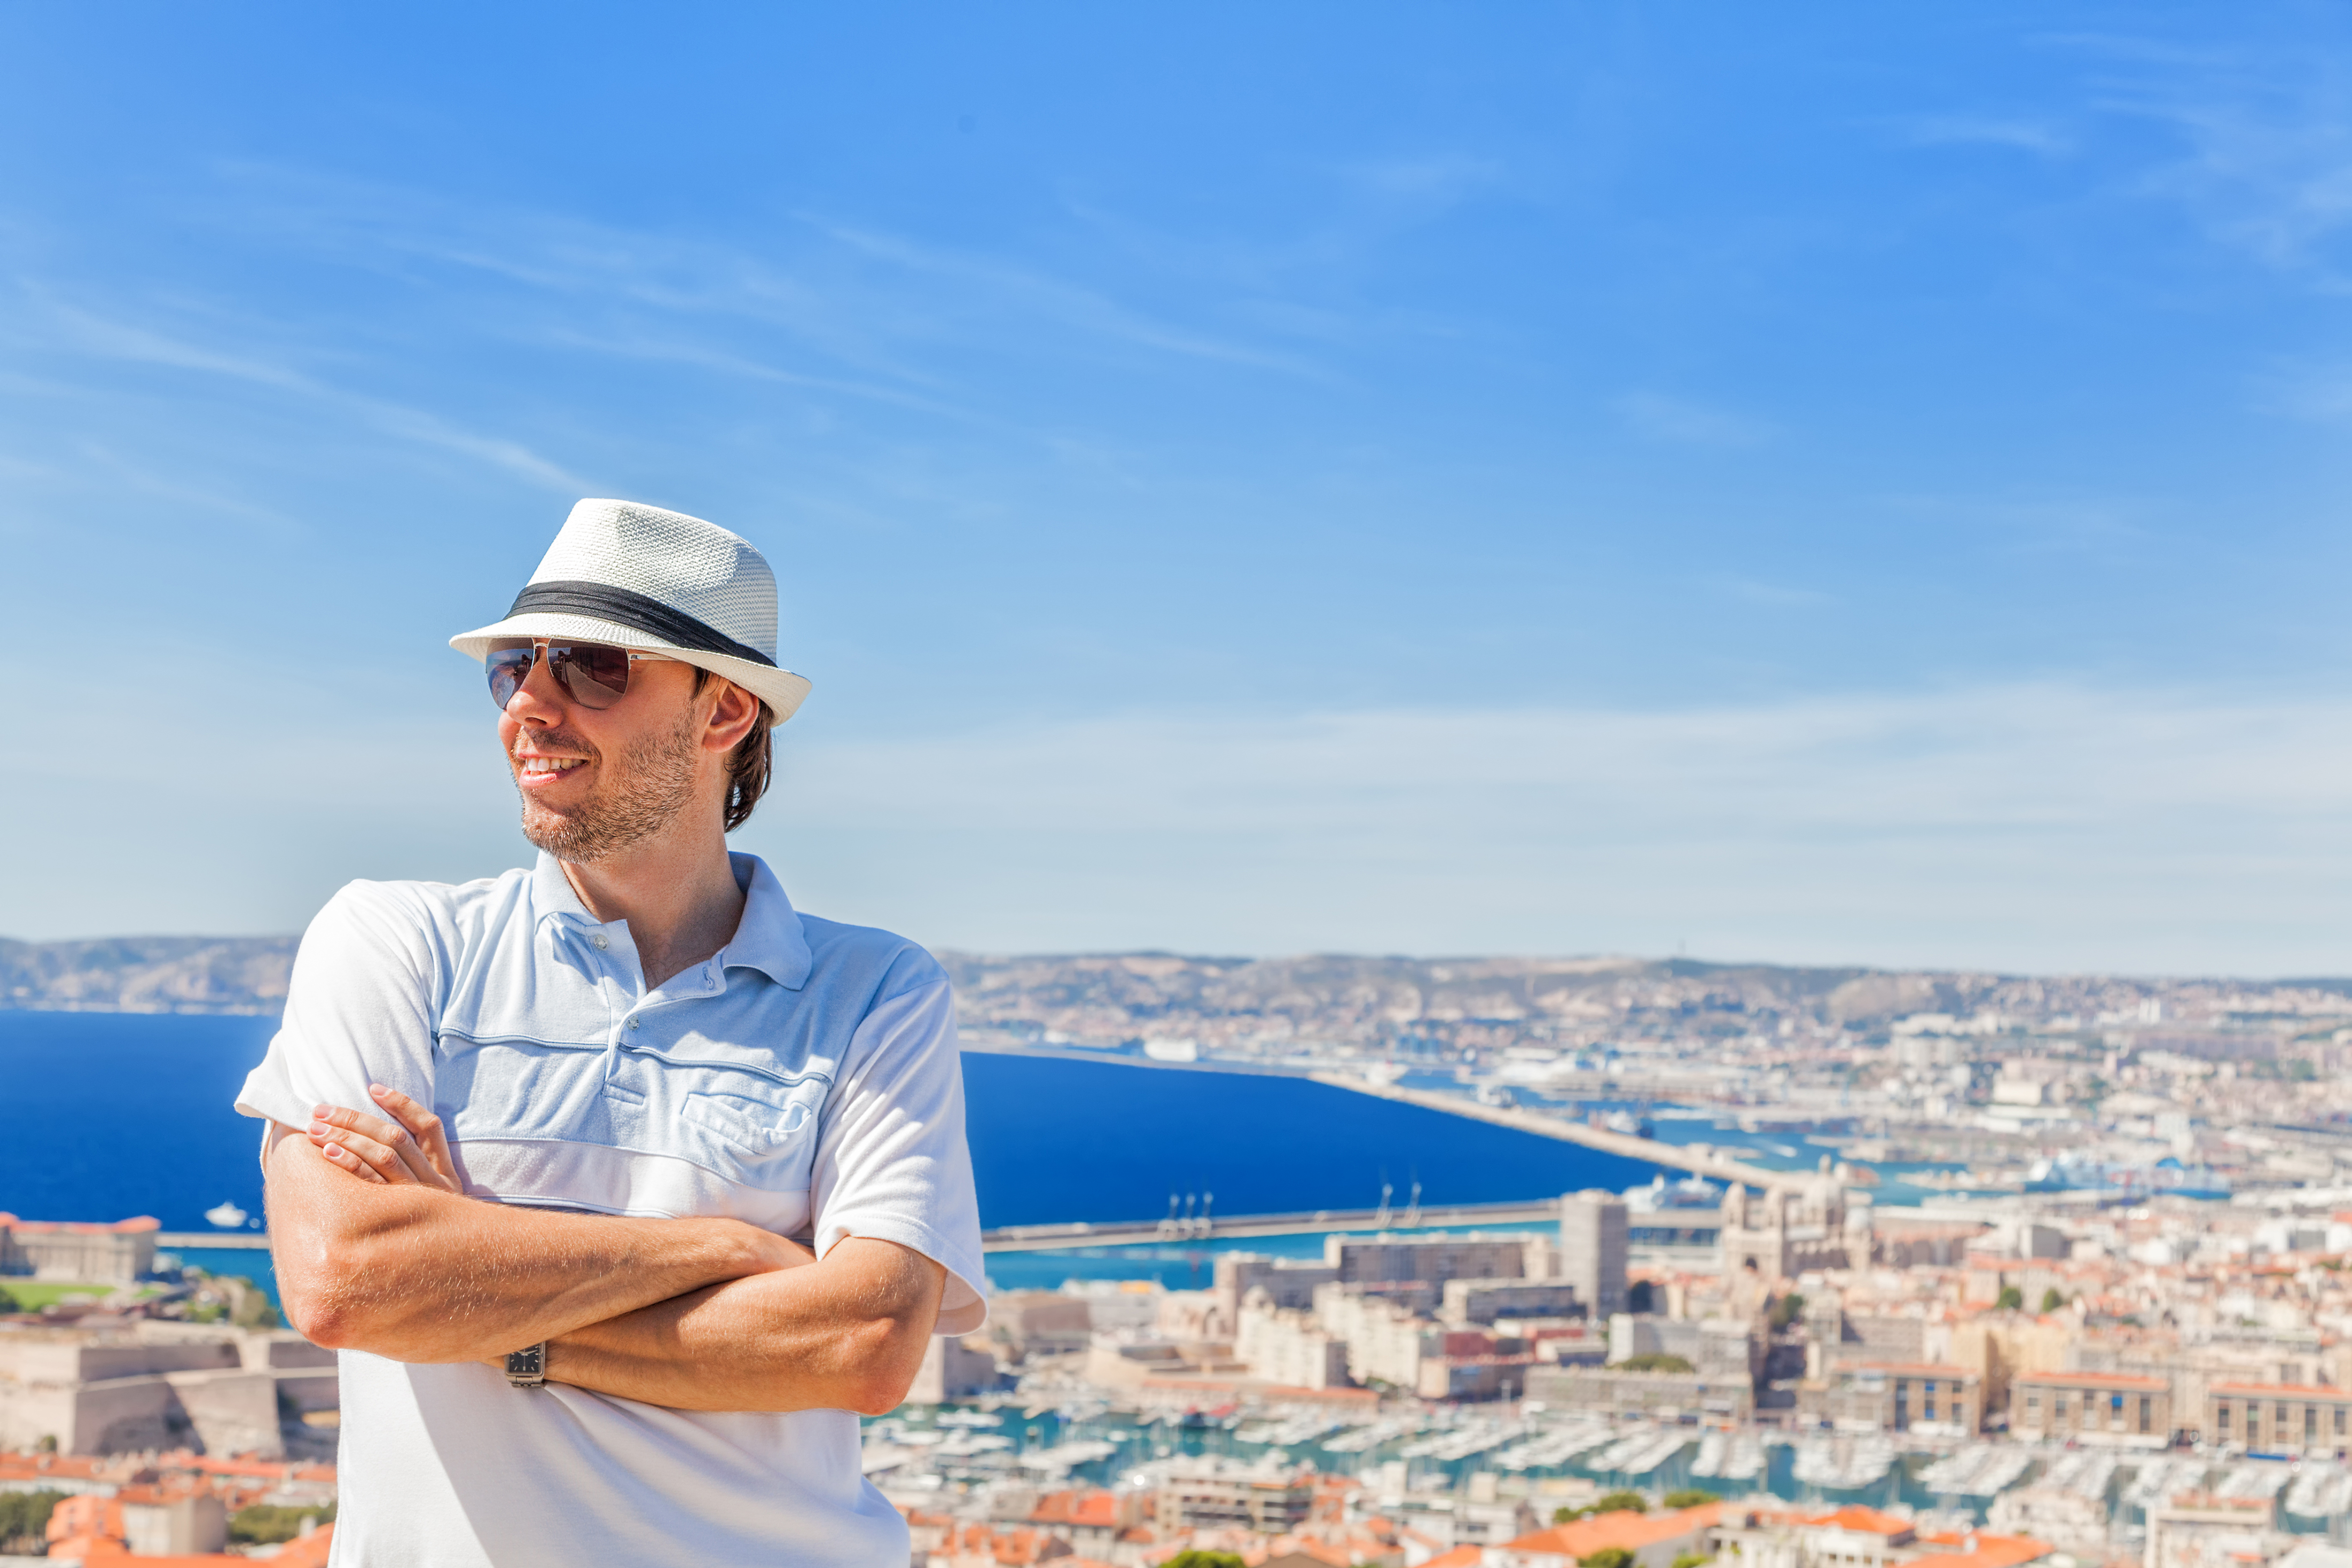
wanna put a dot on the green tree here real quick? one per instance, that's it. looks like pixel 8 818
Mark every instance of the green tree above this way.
pixel 1623 1503
pixel 1656 1362
pixel 24 1517
pixel 1689 1496
pixel 1692 1560
pixel 1608 1557
pixel 1193 1557
pixel 2011 1298
pixel 2051 1300
pixel 266 1524
pixel 1788 1309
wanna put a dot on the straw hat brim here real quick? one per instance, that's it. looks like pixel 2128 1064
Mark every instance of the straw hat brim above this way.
pixel 781 689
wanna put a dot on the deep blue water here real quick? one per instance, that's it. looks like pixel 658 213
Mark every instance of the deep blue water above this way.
pixel 1053 1139
pixel 114 1114
pixel 105 1115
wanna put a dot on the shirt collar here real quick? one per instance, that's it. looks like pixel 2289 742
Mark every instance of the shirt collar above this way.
pixel 769 938
pixel 552 894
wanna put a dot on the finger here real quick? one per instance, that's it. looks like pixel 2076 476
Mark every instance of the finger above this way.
pixel 342 1158
pixel 415 1165
pixel 422 1124
pixel 359 1121
pixel 377 1155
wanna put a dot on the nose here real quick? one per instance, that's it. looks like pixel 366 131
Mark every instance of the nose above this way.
pixel 539 698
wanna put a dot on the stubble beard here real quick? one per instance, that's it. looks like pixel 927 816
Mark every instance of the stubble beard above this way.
pixel 643 790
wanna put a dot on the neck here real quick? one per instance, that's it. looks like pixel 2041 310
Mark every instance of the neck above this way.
pixel 675 890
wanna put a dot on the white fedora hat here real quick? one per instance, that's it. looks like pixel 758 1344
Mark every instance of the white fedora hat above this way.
pixel 659 581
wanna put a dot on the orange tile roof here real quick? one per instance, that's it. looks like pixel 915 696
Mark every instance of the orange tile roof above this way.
pixel 2093 1380
pixel 1097 1507
pixel 1460 1557
pixel 1983 1549
pixel 1629 1530
pixel 1290 1548
pixel 1863 1520
pixel 310 1552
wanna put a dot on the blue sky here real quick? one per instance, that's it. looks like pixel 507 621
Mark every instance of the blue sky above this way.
pixel 1858 484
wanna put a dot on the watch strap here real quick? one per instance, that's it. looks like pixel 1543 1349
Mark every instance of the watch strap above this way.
pixel 527 1368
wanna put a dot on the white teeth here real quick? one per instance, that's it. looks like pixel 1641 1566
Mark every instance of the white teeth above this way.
pixel 549 764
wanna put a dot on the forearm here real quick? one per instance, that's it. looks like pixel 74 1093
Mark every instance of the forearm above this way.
pixel 848 1334
pixel 425 1276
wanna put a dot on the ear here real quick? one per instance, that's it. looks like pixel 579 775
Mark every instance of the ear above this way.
pixel 733 712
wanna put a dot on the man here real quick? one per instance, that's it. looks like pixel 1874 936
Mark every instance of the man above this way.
pixel 620 1187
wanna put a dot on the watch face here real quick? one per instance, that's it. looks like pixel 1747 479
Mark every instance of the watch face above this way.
pixel 527 1363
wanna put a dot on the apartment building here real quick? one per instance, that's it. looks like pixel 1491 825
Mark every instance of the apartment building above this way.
pixel 1894 1397
pixel 2092 1407
pixel 2281 1418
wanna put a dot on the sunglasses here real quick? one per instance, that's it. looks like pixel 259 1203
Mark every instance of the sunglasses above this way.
pixel 595 674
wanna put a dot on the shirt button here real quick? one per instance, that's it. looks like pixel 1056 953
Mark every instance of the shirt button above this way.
pixel 601 943
pixel 632 1023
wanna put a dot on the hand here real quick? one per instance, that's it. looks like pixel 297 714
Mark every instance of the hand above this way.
pixel 411 1148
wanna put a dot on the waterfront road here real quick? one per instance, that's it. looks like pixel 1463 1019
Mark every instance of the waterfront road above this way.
pixel 1703 1162
pixel 1135 1233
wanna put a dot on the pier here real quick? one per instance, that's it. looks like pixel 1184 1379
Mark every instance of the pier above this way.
pixel 1067 1238
pixel 1721 1167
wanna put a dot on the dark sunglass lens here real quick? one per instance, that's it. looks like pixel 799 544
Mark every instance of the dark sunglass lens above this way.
pixel 508 666
pixel 596 674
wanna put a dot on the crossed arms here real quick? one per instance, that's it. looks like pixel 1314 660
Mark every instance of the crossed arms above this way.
pixel 378 1249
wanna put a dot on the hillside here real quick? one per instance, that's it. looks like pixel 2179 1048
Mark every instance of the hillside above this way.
pixel 1271 1007
pixel 148 974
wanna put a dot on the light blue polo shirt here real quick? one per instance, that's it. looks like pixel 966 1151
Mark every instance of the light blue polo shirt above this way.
pixel 806 1080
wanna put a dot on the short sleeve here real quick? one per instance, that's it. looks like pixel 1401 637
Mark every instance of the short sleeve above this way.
pixel 358 1010
pixel 891 1161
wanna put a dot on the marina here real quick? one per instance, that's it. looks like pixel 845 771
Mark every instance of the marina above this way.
pixel 1543 1455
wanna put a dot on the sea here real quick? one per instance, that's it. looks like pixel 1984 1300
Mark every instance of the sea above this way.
pixel 110 1115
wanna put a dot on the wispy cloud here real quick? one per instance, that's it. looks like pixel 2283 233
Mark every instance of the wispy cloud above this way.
pixel 1682 419
pixel 2261 142
pixel 100 336
pixel 139 479
pixel 95 335
pixel 855 295
pixel 1041 296
pixel 2024 134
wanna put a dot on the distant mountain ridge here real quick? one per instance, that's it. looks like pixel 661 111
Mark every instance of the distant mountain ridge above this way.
pixel 1093 995
pixel 1272 1005
pixel 148 974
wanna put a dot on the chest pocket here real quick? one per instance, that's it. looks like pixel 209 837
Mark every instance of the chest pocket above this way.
pixel 754 1125
pixel 750 1120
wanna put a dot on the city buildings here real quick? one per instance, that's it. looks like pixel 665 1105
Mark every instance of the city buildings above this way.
pixel 90 1253
pixel 159 1385
pixel 2093 1408
pixel 1592 1248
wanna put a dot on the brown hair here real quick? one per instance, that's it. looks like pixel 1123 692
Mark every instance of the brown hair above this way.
pixel 749 767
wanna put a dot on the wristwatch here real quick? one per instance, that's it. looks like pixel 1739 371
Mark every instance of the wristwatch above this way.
pixel 527 1368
